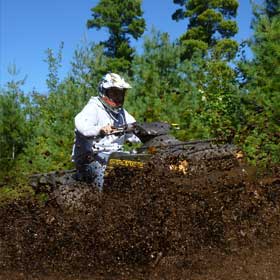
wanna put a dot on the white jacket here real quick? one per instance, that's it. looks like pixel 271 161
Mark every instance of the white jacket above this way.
pixel 92 118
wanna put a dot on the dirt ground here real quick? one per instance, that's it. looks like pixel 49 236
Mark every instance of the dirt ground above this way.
pixel 150 224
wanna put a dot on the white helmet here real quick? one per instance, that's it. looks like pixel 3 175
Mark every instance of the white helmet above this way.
pixel 114 82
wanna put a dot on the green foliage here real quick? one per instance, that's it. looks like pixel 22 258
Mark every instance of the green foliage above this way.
pixel 192 46
pixel 260 133
pixel 8 194
pixel 225 49
pixel 15 124
pixel 201 94
pixel 88 66
pixel 272 8
pixel 50 148
pixel 155 77
pixel 209 22
pixel 123 19
pixel 268 8
pixel 53 134
pixel 221 99
pixel 54 63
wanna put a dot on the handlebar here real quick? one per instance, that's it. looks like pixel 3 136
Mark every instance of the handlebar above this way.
pixel 131 127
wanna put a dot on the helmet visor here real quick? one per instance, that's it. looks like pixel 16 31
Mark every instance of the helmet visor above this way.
pixel 116 95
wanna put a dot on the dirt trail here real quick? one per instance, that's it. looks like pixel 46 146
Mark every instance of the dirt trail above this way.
pixel 150 224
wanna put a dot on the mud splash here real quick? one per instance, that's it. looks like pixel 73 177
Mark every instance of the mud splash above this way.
pixel 149 224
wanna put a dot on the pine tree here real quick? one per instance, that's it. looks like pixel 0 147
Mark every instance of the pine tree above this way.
pixel 54 63
pixel 51 144
pixel 15 122
pixel 201 95
pixel 261 130
pixel 272 8
pixel 153 73
pixel 210 26
pixel 123 19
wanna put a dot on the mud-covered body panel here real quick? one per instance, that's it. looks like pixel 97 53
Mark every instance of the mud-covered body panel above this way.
pixel 190 159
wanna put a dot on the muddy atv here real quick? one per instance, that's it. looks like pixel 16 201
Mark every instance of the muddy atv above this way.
pixel 192 159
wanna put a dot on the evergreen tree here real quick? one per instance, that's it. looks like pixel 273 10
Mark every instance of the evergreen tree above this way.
pixel 154 77
pixel 201 95
pixel 15 122
pixel 209 33
pixel 272 8
pixel 53 128
pixel 162 86
pixel 54 63
pixel 261 130
pixel 53 136
pixel 89 66
pixel 210 26
pixel 123 19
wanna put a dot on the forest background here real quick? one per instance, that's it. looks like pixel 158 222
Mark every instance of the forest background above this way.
pixel 201 81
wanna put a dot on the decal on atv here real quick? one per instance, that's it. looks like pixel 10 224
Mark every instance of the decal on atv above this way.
pixel 125 163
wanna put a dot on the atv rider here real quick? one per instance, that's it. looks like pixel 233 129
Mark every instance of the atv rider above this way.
pixel 95 126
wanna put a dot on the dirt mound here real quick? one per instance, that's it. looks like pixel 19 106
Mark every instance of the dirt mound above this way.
pixel 148 223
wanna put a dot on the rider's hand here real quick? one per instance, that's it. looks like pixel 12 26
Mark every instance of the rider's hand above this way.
pixel 107 129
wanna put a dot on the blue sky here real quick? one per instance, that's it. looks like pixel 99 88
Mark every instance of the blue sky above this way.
pixel 28 28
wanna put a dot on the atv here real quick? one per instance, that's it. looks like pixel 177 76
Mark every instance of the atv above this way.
pixel 192 158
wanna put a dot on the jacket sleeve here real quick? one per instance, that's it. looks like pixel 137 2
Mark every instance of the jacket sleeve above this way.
pixel 87 121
